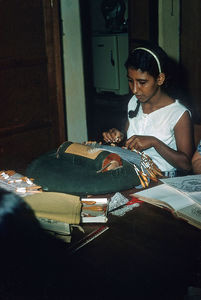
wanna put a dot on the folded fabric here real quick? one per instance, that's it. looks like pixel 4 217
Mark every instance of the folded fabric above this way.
pixel 56 206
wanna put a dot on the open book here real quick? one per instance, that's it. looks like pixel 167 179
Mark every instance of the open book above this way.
pixel 189 185
pixel 183 204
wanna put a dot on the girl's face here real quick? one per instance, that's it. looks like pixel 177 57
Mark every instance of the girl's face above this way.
pixel 143 85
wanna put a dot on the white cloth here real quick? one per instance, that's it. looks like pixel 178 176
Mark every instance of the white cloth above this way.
pixel 159 123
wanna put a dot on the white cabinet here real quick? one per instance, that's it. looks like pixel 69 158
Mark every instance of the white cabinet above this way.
pixel 109 55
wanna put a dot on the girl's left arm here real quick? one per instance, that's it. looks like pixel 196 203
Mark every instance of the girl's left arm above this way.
pixel 183 131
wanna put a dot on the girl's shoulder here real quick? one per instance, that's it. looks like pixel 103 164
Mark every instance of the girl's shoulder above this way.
pixel 180 107
pixel 176 105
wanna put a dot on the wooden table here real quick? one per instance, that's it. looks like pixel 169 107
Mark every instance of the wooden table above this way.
pixel 145 254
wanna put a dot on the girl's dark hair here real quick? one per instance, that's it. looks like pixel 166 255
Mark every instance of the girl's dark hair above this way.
pixel 146 62
pixel 133 113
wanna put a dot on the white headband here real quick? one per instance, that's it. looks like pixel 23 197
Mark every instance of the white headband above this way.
pixel 153 54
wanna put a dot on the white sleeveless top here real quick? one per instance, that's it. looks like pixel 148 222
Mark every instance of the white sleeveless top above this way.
pixel 160 124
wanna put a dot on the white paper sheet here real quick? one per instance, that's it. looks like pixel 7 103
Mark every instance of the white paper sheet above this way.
pixel 168 194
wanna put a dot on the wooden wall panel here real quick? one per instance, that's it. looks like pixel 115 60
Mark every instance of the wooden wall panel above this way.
pixel 24 94
pixel 21 28
pixel 31 83
pixel 12 148
pixel 190 52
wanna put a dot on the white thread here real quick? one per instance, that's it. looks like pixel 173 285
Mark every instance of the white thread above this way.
pixel 153 54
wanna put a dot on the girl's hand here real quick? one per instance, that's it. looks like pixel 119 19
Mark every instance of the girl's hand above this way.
pixel 113 136
pixel 140 142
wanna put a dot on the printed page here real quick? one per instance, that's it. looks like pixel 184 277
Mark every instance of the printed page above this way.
pixel 196 197
pixel 190 185
pixel 192 213
pixel 167 194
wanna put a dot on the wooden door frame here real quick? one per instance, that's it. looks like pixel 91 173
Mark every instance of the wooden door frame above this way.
pixel 52 22
pixel 142 21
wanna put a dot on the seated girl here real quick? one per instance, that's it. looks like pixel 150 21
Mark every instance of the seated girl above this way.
pixel 158 125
